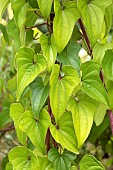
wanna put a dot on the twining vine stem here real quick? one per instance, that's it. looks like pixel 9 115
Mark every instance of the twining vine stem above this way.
pixel 85 36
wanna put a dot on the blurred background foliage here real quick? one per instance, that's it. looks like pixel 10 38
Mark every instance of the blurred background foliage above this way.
pixel 100 141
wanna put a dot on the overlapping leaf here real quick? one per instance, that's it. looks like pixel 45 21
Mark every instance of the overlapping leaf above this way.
pixel 61 88
pixel 64 133
pixel 107 64
pixel 36 128
pixel 69 55
pixel 44 164
pixel 89 162
pixel 22 158
pixel 16 111
pixel 49 49
pixel 61 161
pixel 28 68
pixel 64 21
pixel 39 94
pixel 99 51
pixel 45 7
pixel 3 5
pixel 82 114
pixel 91 83
pixel 93 16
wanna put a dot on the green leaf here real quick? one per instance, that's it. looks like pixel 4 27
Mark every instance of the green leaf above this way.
pixel 49 49
pixel 93 12
pixel 69 55
pixel 22 158
pixel 61 161
pixel 62 24
pixel 96 132
pixel 44 164
pixel 39 94
pixel 3 5
pixel 16 111
pixel 82 114
pixel 45 7
pixel 64 133
pixel 100 114
pixel 109 86
pixel 4 114
pixel 9 166
pixel 27 68
pixel 18 9
pixel 89 162
pixel 99 51
pixel 61 88
pixel 107 63
pixel 36 128
pixel 91 83
pixel 5 34
pixel 14 33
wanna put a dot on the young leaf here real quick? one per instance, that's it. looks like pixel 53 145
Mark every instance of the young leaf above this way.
pixel 61 161
pixel 22 158
pixel 91 163
pixel 61 88
pixel 16 111
pixel 36 129
pixel 49 49
pixel 64 21
pixel 82 114
pixel 64 133
pixel 93 16
pixel 99 51
pixel 45 7
pixel 39 94
pixel 107 64
pixel 27 68
pixel 92 85
pixel 69 55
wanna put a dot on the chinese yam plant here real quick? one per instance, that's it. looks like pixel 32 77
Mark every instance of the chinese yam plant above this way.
pixel 58 97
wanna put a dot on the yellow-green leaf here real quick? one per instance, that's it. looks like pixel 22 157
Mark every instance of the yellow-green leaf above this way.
pixel 28 67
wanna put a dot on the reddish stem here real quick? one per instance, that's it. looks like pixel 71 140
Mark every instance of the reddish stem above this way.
pixel 85 36
pixel 111 120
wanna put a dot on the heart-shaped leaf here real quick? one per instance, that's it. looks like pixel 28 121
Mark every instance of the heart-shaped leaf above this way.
pixel 93 16
pixel 61 88
pixel 64 133
pixel 89 162
pixel 36 129
pixel 16 111
pixel 28 68
pixel 39 94
pixel 62 24
pixel 91 83
pixel 22 158
pixel 61 161
pixel 99 51
pixel 49 49
pixel 82 114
